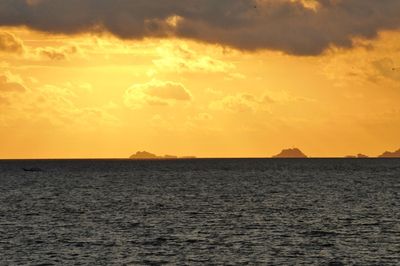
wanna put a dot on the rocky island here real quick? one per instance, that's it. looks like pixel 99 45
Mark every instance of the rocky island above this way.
pixel 144 155
pixel 291 153
pixel 388 154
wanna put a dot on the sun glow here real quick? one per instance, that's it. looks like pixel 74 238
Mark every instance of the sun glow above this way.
pixel 99 96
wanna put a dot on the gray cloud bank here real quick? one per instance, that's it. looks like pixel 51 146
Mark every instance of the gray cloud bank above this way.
pixel 282 25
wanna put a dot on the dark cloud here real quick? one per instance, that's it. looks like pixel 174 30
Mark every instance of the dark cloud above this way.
pixel 53 55
pixel 57 54
pixel 282 25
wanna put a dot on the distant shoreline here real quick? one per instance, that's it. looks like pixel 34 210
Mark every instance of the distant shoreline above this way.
pixel 194 159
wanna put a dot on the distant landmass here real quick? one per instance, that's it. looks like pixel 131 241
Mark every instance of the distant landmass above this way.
pixel 297 153
pixel 359 156
pixel 285 153
pixel 389 154
pixel 144 155
pixel 290 153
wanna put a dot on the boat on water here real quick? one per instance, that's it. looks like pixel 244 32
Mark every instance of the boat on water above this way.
pixel 34 169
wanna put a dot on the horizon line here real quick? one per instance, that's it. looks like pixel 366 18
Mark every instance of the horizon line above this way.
pixel 188 159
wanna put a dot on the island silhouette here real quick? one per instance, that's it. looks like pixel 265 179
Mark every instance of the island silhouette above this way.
pixel 388 154
pixel 144 155
pixel 358 156
pixel 285 153
pixel 291 153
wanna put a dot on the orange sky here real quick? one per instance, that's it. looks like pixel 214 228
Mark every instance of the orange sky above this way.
pixel 91 95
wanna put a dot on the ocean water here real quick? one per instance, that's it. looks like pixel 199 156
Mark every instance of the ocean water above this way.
pixel 200 212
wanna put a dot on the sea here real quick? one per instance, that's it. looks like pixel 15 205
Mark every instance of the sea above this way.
pixel 200 212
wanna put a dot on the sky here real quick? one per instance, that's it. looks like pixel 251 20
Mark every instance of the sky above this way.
pixel 206 78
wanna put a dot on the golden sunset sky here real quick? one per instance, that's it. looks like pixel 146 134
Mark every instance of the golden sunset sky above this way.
pixel 210 78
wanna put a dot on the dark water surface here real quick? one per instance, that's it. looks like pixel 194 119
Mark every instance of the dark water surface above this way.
pixel 198 212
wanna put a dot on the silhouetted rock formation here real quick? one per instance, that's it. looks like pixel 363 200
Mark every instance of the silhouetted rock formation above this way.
pixel 290 153
pixel 143 155
pixel 358 156
pixel 389 154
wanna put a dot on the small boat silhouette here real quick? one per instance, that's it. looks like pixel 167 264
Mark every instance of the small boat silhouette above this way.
pixel 34 169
